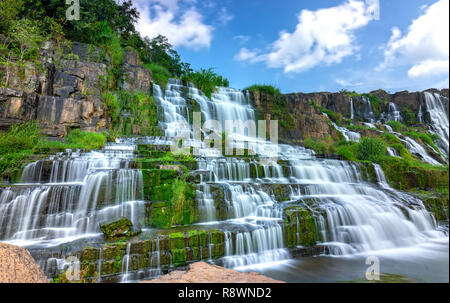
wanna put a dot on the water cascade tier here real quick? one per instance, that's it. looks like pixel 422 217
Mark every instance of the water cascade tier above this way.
pixel 252 209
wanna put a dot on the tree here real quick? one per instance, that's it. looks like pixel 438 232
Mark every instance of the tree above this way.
pixel 9 10
pixel 22 43
pixel 27 37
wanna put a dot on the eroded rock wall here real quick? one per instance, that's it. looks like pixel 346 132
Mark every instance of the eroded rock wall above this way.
pixel 66 92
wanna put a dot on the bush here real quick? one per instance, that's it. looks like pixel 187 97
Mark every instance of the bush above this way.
pixel 347 150
pixel 370 149
pixel 268 89
pixel 206 80
pixel 160 74
pixel 112 104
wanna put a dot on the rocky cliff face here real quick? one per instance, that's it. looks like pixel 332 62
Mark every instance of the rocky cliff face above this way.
pixel 67 93
pixel 298 119
pixel 301 116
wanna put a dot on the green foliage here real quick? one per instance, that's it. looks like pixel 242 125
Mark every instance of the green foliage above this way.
pixel 26 38
pixel 112 104
pixel 409 117
pixel 403 173
pixel 267 89
pixel 206 80
pixel 402 151
pixel 86 140
pixel 325 146
pixel 9 11
pixel 19 138
pixel 24 140
pixel 160 74
pixel 397 126
pixel 347 150
pixel 127 109
pixel 370 149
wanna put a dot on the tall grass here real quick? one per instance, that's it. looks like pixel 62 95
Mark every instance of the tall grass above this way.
pixel 160 74
pixel 370 149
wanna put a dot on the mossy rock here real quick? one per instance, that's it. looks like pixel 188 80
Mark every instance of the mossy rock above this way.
pixel 178 257
pixel 118 228
pixel 177 241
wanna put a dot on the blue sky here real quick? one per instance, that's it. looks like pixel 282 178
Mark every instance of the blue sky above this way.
pixel 306 45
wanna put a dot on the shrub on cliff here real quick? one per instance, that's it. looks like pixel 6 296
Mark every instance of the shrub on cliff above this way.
pixel 263 88
pixel 370 149
pixel 206 80
pixel 160 74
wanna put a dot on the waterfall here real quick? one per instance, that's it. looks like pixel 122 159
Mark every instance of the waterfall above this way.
pixel 352 113
pixel 65 197
pixel 392 114
pixel 348 135
pixel 368 114
pixel 439 119
pixel 351 215
pixel 414 147
pixel 68 195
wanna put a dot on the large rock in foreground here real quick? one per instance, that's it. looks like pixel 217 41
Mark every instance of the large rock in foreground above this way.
pixel 202 272
pixel 18 266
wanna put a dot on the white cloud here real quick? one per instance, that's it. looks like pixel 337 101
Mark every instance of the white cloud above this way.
pixel 324 36
pixel 224 16
pixel 183 27
pixel 425 47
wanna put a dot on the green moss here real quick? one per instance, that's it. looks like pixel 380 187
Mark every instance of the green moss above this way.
pixel 420 136
pixel 216 236
pixel 178 257
pixel 203 236
pixel 118 228
pixel 407 174
pixel 176 241
pixel 397 126
pixel 193 238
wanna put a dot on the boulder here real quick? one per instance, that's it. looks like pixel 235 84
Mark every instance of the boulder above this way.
pixel 119 228
pixel 202 272
pixel 18 266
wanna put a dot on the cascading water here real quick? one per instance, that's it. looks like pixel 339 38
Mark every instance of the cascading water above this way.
pixel 414 147
pixel 348 135
pixel 353 215
pixel 439 119
pixel 68 195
